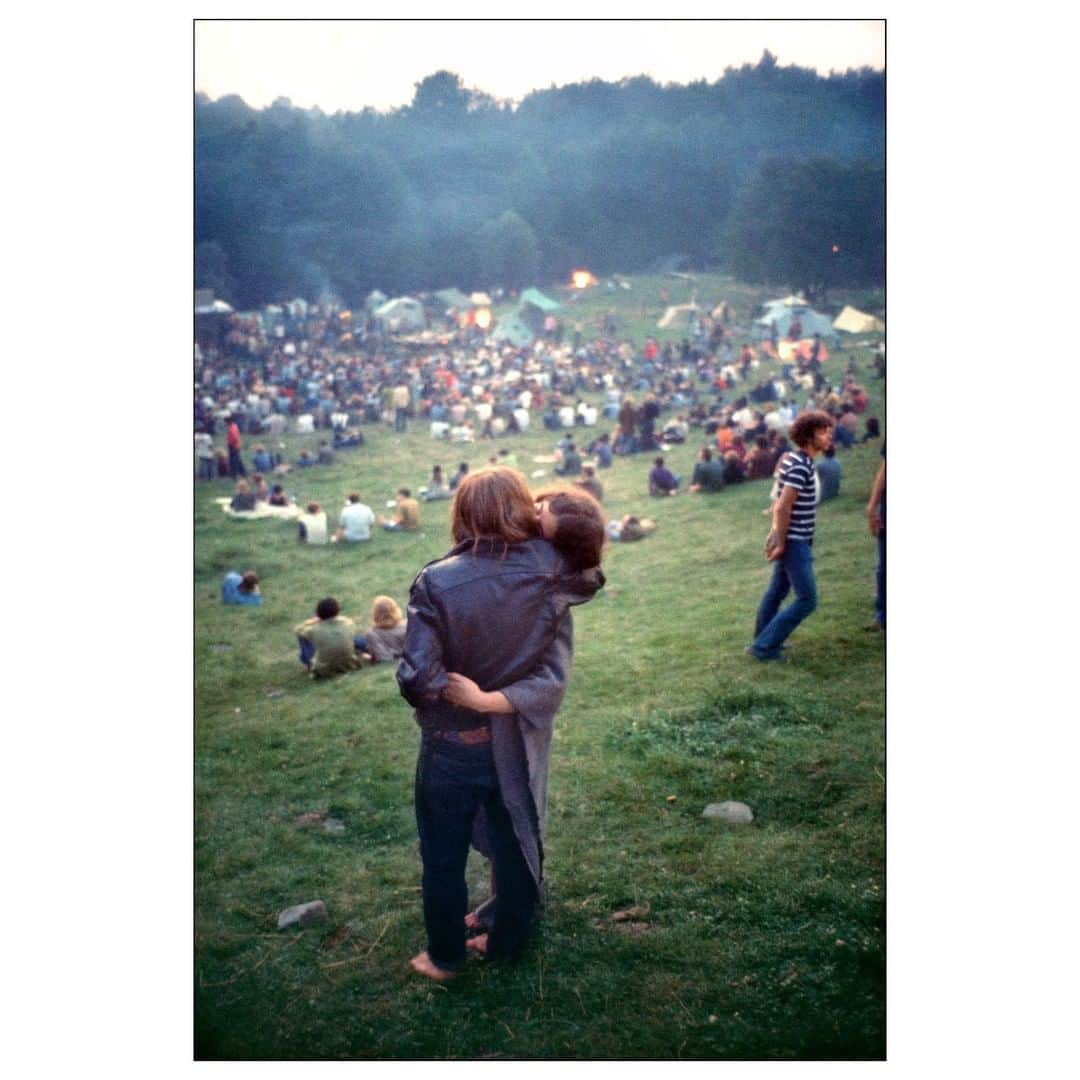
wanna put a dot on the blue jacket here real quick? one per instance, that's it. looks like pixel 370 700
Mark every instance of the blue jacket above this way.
pixel 231 594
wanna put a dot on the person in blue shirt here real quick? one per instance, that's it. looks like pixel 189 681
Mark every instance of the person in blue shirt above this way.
pixel 243 589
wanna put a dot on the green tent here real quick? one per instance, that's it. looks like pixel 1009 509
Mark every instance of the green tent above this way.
pixel 538 299
pixel 513 329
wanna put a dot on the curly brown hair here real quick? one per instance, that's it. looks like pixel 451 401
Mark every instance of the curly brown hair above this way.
pixel 579 525
pixel 806 425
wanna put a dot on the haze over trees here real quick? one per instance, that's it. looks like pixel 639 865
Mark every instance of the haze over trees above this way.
pixel 775 173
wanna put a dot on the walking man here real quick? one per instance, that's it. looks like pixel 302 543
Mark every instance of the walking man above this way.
pixel 789 541
pixel 232 441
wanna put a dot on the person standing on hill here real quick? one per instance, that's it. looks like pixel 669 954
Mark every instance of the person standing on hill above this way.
pixel 788 545
pixel 875 516
pixel 232 441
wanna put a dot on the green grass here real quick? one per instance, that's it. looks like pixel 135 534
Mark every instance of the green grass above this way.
pixel 761 941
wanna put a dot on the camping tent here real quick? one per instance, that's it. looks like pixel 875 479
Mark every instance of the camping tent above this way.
pixel 538 299
pixel 512 328
pixel 403 313
pixel 857 322
pixel 453 298
pixel 785 313
pixel 375 299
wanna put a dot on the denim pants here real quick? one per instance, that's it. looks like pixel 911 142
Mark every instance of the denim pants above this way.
pixel 453 783
pixel 236 463
pixel 793 570
pixel 307 649
pixel 879 600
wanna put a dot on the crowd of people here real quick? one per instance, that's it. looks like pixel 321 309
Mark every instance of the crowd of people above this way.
pixel 484 650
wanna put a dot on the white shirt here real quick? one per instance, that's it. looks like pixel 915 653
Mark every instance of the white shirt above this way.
pixel 356 519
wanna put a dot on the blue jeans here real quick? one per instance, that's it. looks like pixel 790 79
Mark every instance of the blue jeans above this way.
pixel 843 436
pixel 307 649
pixel 879 600
pixel 793 570
pixel 453 783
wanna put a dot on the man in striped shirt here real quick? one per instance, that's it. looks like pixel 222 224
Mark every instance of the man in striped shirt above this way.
pixel 788 544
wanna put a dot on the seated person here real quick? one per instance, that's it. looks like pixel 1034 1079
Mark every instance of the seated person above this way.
pixel 462 469
pixel 277 496
pixel 244 498
pixel 571 462
pixel 259 488
pixel 354 524
pixel 407 518
pixel 241 589
pixel 708 474
pixel 262 461
pixel 326 455
pixel 760 460
pixel 676 431
pixel 440 429
pixel 305 460
pixel 345 440
pixel 662 481
pixel 311 525
pixel 385 640
pixel 734 473
pixel 437 486
pixel 827 471
pixel 327 641
pixel 589 483
pixel 873 429
pixel 630 528
pixel 601 448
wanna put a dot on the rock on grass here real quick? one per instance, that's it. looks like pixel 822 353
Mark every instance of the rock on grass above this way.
pixel 735 813
pixel 302 915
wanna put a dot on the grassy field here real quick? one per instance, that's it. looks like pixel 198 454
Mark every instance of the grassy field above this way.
pixel 758 941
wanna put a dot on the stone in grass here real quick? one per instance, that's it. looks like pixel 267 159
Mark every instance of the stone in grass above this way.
pixel 735 813
pixel 302 915
pixel 334 825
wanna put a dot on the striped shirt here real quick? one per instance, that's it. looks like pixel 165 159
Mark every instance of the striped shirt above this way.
pixel 797 471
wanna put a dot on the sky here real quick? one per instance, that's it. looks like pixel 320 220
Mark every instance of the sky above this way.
pixel 350 64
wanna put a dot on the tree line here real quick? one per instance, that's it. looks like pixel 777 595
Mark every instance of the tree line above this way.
pixel 775 173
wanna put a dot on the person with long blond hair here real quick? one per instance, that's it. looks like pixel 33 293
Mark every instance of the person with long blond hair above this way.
pixel 385 638
pixel 487 657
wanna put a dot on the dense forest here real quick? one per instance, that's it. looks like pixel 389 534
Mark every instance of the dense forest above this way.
pixel 775 173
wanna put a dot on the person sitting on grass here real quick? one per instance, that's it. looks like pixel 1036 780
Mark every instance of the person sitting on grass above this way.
pixel 311 525
pixel 278 496
pixel 407 518
pixel 437 486
pixel 589 483
pixel 385 640
pixel 662 481
pixel 244 497
pixel 242 589
pixel 328 641
pixel 259 488
pixel 571 461
pixel 708 475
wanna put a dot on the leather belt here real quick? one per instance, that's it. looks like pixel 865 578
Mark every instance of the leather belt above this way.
pixel 468 737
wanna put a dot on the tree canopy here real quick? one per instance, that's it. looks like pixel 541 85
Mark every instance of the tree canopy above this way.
pixel 754 171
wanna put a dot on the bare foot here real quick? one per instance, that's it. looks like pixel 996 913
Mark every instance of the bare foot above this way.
pixel 478 944
pixel 424 965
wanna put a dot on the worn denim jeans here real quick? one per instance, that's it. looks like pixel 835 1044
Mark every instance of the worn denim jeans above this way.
pixel 793 570
pixel 453 783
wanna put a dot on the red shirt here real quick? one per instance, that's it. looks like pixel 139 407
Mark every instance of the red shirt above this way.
pixel 232 437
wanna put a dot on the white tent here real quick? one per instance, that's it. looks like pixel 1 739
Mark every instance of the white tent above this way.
pixel 858 322
pixel 404 313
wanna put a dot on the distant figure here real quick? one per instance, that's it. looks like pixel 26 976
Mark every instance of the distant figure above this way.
pixel 241 589
pixel 437 486
pixel 828 475
pixel 244 497
pixel 204 452
pixel 708 474
pixel 873 429
pixel 278 496
pixel 232 441
pixel 327 641
pixel 571 462
pixel 311 525
pixel 875 516
pixel 630 528
pixel 407 518
pixel 462 469
pixel 354 524
pixel 326 455
pixel 662 481
pixel 589 483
